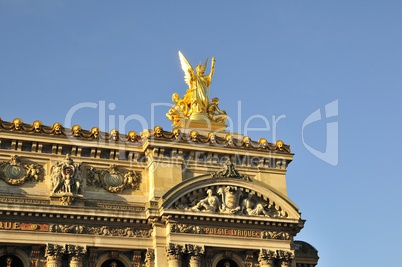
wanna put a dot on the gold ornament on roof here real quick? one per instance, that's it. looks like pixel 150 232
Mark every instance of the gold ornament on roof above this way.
pixel 195 104
pixel 198 84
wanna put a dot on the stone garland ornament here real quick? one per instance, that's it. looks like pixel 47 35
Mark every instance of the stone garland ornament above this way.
pixel 229 200
pixel 112 180
pixel 275 235
pixel 99 230
pixel 185 228
pixel 14 172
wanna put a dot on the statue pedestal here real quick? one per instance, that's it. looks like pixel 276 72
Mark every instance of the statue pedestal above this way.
pixel 201 122
pixel 67 199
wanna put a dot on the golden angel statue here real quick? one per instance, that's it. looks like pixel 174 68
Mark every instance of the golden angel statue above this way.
pixel 195 109
pixel 198 84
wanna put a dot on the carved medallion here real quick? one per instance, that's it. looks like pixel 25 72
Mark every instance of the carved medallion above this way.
pixel 113 180
pixel 14 172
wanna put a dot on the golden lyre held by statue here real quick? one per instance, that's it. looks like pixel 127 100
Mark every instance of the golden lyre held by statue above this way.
pixel 195 110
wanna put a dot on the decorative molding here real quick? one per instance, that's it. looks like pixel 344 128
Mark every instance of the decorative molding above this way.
pixel 14 172
pixel 185 228
pixel 24 200
pixel 99 230
pixel 113 180
pixel 76 132
pixel 275 235
pixel 120 207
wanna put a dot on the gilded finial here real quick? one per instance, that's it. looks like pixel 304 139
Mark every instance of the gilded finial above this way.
pixel 37 125
pixel 114 135
pixel 279 144
pixel 132 136
pixel 263 143
pixel 17 124
pixel 194 135
pixel 77 130
pixel 229 140
pixel 57 128
pixel 158 131
pixel 95 132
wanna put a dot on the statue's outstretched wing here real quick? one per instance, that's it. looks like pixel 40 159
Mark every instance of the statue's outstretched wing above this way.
pixel 186 67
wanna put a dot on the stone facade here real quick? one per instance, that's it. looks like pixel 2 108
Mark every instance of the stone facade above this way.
pixel 71 197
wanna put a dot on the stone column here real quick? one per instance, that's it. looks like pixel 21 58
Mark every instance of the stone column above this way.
pixel 53 254
pixel 249 258
pixel 266 258
pixel 76 255
pixel 136 259
pixel 195 255
pixel 34 257
pixel 150 258
pixel 174 254
pixel 209 255
pixel 285 258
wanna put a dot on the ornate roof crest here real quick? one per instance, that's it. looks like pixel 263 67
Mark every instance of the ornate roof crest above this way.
pixel 231 172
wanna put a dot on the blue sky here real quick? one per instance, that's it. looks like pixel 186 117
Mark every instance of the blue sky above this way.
pixel 278 60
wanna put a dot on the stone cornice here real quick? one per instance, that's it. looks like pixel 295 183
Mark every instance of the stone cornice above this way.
pixel 131 141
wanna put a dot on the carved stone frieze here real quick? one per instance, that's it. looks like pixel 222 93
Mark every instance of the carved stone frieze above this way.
pixel 185 228
pixel 229 199
pixel 15 172
pixel 23 200
pixel 113 180
pixel 275 235
pixel 99 230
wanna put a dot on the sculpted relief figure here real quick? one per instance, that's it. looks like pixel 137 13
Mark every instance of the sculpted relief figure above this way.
pixel 250 207
pixel 65 176
pixel 229 199
pixel 209 203
pixel 215 113
pixel 178 111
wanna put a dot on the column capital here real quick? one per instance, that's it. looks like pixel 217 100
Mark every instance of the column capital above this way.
pixel 54 251
pixel 285 257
